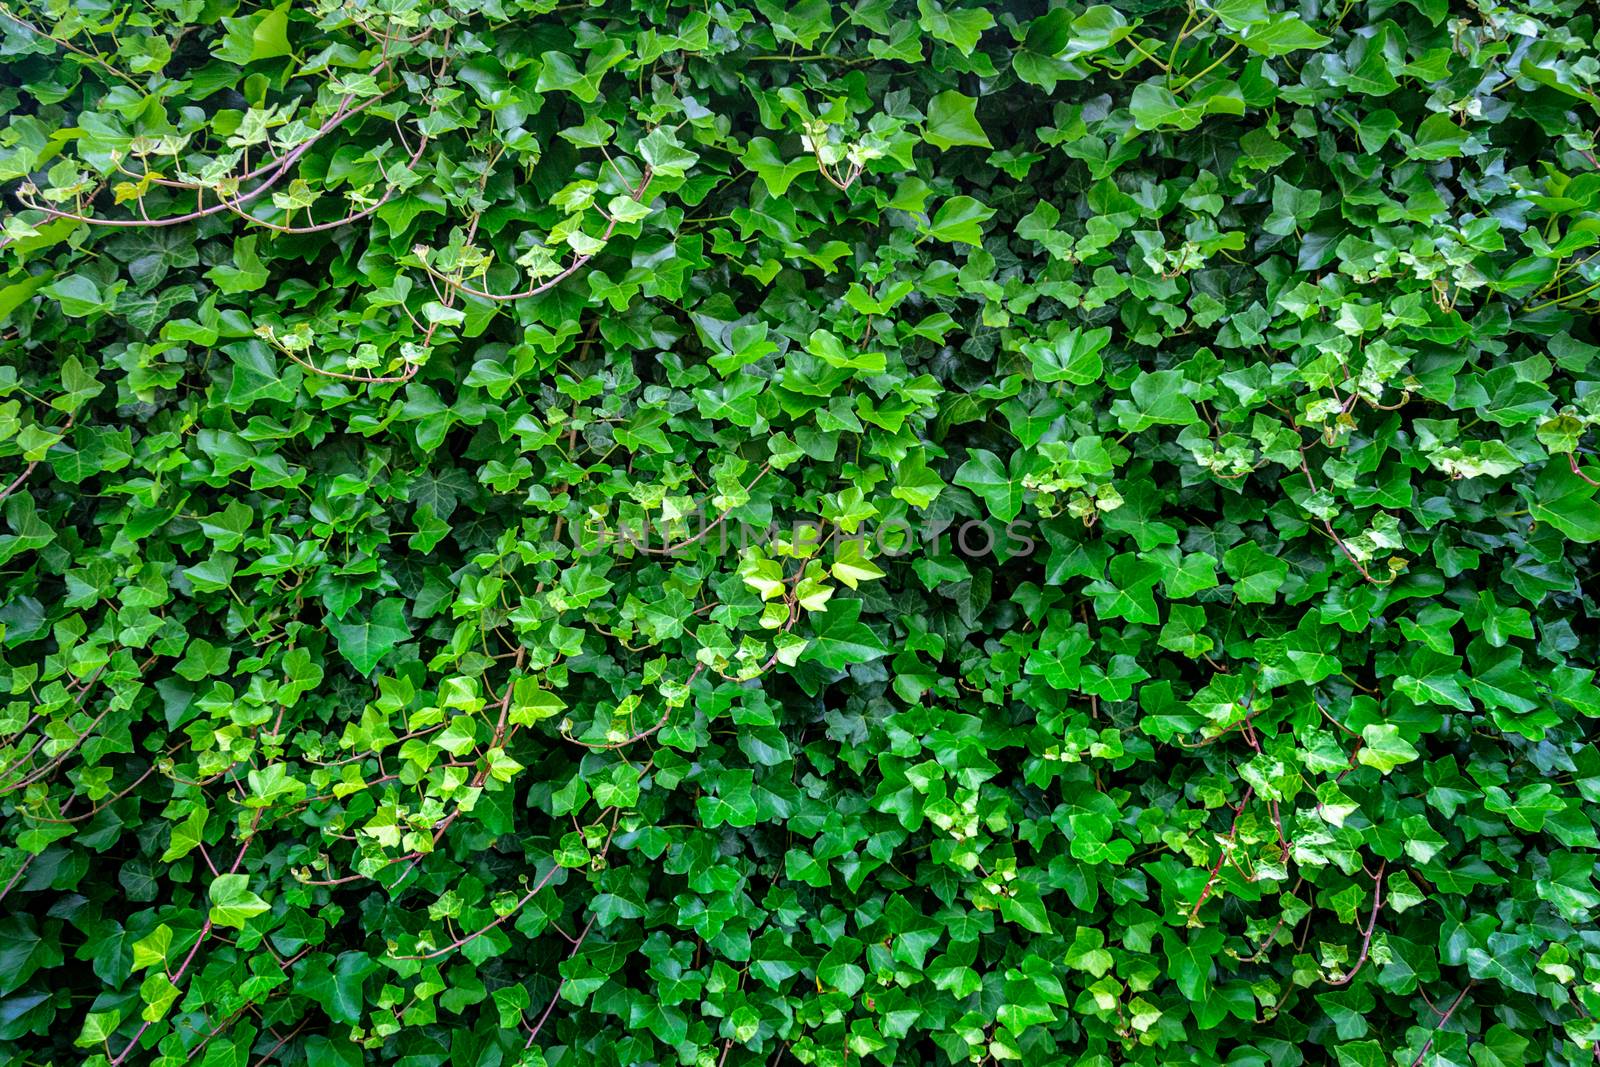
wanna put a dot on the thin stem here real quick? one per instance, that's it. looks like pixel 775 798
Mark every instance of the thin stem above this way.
pixel 368 379
pixel 69 46
pixel 1561 299
pixel 1233 836
pixel 469 938
pixel 577 943
pixel 27 471
pixel 1215 64
pixel 1451 1010
pixel 205 932
pixel 642 734
pixel 668 550
pixel 319 227
pixel 344 113
pixel 548 283
pixel 1372 923
pixel 1137 47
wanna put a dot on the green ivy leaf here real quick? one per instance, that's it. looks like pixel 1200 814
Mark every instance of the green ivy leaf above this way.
pixel 1190 963
pixel 1384 748
pixel 953 120
pixel 364 639
pixel 986 475
pixel 959 220
pixel 840 638
pixel 1281 34
pixel 232 902
pixel 1566 501
pixel 1073 356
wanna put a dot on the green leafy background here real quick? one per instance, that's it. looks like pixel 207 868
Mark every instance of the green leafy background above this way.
pixel 1176 422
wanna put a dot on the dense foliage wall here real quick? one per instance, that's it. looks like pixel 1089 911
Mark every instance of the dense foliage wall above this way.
pixel 766 532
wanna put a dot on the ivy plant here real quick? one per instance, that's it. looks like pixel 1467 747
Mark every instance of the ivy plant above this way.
pixel 749 533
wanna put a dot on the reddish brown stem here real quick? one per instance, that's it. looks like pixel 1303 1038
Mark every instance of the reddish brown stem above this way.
pixel 205 932
pixel 642 734
pixel 1451 1010
pixel 548 283
pixel 1233 835
pixel 766 468
pixel 341 116
pixel 27 471
pixel 577 943
pixel 1372 924
pixel 49 768
pixel 469 938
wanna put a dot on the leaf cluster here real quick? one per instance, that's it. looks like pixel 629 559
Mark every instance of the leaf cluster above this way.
pixel 900 532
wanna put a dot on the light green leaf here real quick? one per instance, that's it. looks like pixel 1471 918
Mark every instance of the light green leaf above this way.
pixel 247 273
pixel 186 835
pixel 960 27
pixel 1384 748
pixel 952 121
pixel 1285 33
pixel 232 902
pixel 959 220
pixel 78 295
